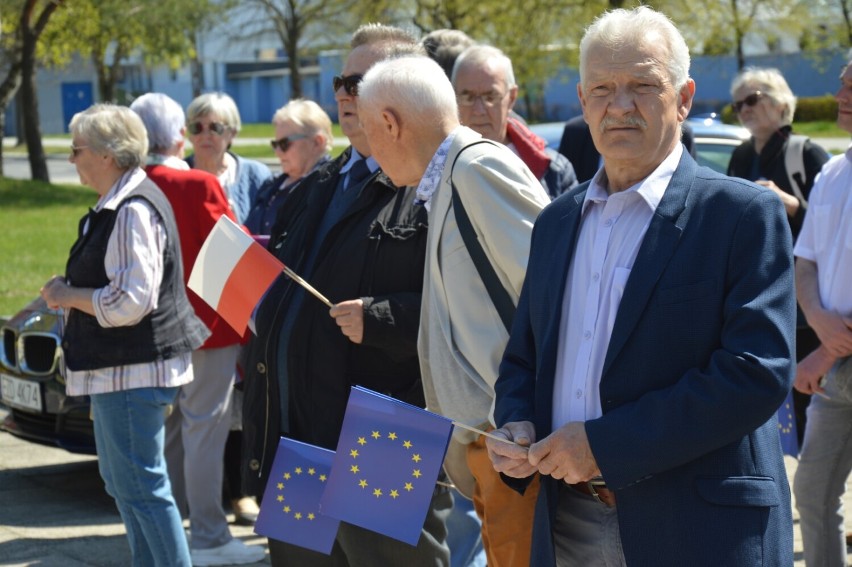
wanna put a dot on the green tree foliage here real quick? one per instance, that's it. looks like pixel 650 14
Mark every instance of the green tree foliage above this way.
pixel 109 32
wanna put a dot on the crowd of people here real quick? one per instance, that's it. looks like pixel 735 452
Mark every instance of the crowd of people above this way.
pixel 620 324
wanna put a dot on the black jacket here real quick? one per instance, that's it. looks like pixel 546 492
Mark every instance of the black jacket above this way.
pixel 773 168
pixel 375 252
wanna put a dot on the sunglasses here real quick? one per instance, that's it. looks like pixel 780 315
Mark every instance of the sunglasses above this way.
pixel 75 150
pixel 217 128
pixel 750 100
pixel 349 84
pixel 284 143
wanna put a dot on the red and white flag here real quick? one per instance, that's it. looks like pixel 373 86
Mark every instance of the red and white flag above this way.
pixel 232 272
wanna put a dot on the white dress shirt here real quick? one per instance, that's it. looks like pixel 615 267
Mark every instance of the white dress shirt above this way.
pixel 826 236
pixel 611 232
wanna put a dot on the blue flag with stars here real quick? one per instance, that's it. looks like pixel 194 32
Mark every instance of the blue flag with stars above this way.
pixel 388 458
pixel 289 511
pixel 787 428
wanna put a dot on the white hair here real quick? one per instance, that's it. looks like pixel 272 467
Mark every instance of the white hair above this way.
pixel 481 55
pixel 163 118
pixel 219 104
pixel 309 116
pixel 626 29
pixel 115 130
pixel 414 86
pixel 771 83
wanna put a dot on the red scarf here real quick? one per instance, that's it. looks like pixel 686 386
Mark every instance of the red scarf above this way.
pixel 530 147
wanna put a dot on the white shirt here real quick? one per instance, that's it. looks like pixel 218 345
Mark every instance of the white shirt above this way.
pixel 826 236
pixel 610 234
pixel 134 266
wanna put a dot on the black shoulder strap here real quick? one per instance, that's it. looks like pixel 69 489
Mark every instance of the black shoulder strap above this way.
pixel 498 294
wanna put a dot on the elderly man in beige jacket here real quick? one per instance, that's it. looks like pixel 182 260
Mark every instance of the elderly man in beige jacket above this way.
pixel 409 114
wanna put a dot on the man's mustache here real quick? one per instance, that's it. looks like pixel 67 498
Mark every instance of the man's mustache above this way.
pixel 612 122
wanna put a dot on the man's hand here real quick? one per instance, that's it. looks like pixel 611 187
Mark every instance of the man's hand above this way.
pixel 349 316
pixel 565 454
pixel 834 332
pixel 508 458
pixel 811 369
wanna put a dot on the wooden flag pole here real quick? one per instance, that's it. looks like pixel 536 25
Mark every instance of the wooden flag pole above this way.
pixel 489 435
pixel 298 279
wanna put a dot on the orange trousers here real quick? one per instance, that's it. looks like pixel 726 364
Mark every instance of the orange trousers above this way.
pixel 507 517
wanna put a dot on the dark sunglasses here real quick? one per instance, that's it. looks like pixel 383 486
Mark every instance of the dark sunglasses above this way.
pixel 217 128
pixel 284 143
pixel 750 100
pixel 349 84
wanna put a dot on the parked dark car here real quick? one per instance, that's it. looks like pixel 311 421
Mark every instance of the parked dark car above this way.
pixel 32 386
pixel 714 141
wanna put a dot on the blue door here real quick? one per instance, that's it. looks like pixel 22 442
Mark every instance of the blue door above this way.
pixel 76 97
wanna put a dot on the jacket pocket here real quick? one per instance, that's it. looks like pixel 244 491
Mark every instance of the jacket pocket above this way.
pixel 739 490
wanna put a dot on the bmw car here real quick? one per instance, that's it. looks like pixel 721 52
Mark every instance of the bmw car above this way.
pixel 31 383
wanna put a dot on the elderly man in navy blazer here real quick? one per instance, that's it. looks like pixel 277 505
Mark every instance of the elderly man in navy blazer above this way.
pixel 653 341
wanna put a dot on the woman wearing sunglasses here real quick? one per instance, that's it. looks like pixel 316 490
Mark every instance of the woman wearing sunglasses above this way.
pixel 302 143
pixel 764 104
pixel 213 121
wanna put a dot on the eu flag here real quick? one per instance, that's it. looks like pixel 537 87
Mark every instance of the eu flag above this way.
pixel 388 458
pixel 787 428
pixel 289 511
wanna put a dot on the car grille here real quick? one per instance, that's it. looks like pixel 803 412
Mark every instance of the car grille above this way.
pixel 8 355
pixel 30 353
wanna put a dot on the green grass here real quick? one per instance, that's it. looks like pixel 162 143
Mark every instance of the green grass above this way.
pixel 820 129
pixel 39 223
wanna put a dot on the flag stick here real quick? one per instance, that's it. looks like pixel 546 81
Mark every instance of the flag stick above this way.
pixel 296 278
pixel 475 430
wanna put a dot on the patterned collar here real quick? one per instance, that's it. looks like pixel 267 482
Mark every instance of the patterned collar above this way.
pixel 432 177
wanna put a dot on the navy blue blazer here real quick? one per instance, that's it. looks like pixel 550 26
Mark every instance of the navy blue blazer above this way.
pixel 700 359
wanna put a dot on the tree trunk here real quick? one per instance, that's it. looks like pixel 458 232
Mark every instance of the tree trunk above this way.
pixel 29 99
pixel 291 46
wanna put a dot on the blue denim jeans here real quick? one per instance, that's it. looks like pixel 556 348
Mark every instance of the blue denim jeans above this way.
pixel 824 465
pixel 129 434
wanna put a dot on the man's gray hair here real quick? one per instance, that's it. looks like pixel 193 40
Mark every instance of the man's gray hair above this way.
pixel 770 82
pixel 416 87
pixel 445 46
pixel 390 41
pixel 219 104
pixel 626 29
pixel 163 118
pixel 115 130
pixel 479 56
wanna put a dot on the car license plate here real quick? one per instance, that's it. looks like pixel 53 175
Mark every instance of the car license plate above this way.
pixel 24 394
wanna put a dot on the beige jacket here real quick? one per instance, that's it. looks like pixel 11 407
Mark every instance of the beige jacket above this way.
pixel 462 338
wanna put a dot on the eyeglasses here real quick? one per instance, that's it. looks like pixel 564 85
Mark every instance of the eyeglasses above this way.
pixel 750 100
pixel 488 99
pixel 75 150
pixel 349 83
pixel 217 128
pixel 284 143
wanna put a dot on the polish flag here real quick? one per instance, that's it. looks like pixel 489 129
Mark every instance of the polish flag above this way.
pixel 232 272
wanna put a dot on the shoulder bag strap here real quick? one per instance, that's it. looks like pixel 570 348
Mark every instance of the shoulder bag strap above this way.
pixel 498 294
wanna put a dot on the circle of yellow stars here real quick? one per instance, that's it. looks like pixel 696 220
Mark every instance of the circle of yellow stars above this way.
pixel 297 471
pixel 379 492
pixel 786 426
